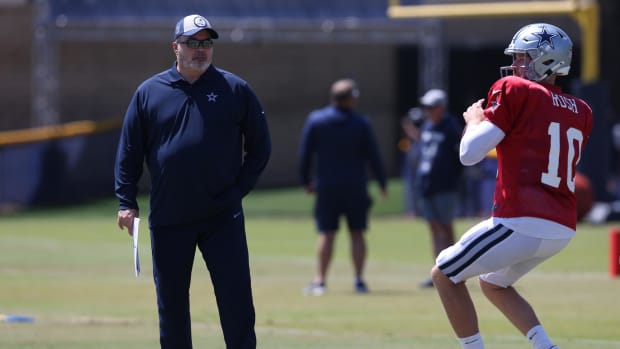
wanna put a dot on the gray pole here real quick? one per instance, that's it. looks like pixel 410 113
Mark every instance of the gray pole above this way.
pixel 44 74
pixel 432 68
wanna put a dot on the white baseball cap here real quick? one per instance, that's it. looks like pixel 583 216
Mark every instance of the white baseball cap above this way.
pixel 434 98
pixel 192 24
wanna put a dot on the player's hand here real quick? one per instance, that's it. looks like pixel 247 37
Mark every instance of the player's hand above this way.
pixel 474 114
pixel 125 219
pixel 309 188
pixel 410 130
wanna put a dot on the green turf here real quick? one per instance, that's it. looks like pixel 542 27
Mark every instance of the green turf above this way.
pixel 71 269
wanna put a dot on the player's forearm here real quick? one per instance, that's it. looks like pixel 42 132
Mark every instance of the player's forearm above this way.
pixel 477 141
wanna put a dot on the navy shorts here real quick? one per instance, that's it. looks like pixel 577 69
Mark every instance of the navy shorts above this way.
pixel 439 207
pixel 331 205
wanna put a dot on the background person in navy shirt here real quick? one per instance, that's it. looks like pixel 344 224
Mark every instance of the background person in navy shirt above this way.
pixel 439 170
pixel 339 143
pixel 204 137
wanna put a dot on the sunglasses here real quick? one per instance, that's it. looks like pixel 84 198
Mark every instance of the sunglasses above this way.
pixel 195 43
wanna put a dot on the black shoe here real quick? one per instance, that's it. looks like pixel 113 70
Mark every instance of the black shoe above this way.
pixel 361 288
pixel 427 284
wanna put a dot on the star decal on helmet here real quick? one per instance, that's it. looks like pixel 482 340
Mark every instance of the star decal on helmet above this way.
pixel 545 37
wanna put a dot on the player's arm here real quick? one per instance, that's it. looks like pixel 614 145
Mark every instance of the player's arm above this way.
pixel 307 150
pixel 374 157
pixel 478 141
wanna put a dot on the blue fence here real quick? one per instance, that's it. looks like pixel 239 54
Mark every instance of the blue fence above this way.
pixel 288 9
pixel 58 165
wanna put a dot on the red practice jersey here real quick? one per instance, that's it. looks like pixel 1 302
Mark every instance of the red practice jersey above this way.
pixel 546 132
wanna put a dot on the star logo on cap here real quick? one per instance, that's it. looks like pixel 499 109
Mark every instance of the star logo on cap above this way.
pixel 545 37
pixel 211 97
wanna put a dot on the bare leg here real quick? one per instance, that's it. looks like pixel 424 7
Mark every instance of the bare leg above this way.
pixel 457 303
pixel 442 236
pixel 358 252
pixel 512 305
pixel 325 249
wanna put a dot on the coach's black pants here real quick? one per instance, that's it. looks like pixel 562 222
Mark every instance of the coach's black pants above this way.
pixel 223 245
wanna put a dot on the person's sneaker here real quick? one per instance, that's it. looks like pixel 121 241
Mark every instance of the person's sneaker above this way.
pixel 315 289
pixel 360 287
pixel 427 284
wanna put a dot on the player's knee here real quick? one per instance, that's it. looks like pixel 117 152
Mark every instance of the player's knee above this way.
pixel 437 276
pixel 488 288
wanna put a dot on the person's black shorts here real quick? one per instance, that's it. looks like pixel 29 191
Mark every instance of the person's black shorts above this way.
pixel 330 205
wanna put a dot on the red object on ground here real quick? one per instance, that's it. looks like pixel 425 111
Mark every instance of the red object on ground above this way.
pixel 614 252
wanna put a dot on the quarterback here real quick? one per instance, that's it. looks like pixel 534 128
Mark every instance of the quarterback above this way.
pixel 539 134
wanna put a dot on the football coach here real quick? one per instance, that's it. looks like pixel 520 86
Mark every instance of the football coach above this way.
pixel 203 135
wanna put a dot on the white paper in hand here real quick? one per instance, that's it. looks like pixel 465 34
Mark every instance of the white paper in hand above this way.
pixel 136 256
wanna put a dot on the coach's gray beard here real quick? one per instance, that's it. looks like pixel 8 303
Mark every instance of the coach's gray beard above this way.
pixel 197 65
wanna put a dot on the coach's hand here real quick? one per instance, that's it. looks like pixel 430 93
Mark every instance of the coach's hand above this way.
pixel 125 219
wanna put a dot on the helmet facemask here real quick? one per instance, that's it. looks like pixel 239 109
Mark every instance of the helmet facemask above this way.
pixel 549 50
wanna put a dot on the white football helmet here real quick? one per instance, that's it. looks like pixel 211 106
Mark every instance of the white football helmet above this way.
pixel 549 48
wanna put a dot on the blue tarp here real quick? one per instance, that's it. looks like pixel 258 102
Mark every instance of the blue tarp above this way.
pixel 60 171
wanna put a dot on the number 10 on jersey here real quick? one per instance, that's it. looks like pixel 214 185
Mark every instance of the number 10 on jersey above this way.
pixel 574 137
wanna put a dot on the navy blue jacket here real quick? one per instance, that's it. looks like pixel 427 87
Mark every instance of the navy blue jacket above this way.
pixel 205 145
pixel 439 167
pixel 343 144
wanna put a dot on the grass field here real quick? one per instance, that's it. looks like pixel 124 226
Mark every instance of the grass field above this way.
pixel 71 269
